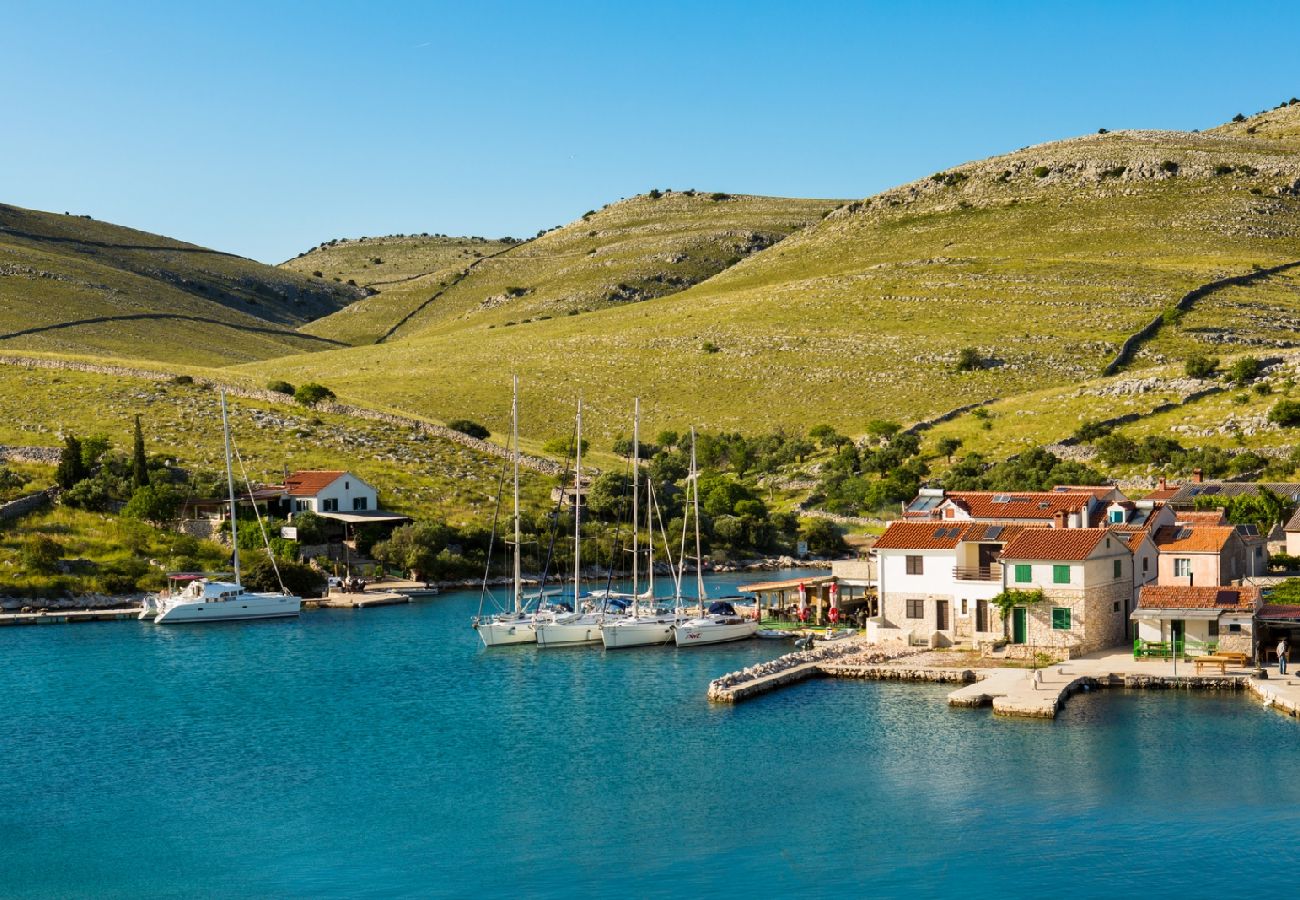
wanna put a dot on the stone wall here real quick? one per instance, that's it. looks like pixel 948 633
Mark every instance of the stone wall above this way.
pixel 1095 624
pixel 48 455
pixel 894 608
pixel 23 505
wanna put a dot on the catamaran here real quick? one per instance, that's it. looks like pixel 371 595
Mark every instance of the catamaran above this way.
pixel 203 600
pixel 720 623
pixel 518 625
pixel 581 626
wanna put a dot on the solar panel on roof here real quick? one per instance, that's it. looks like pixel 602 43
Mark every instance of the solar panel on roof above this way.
pixel 1182 534
pixel 1001 498
pixel 1251 530
pixel 993 533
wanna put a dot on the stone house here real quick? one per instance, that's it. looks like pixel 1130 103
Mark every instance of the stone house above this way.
pixel 1085 576
pixel 935 581
pixel 1199 615
pixel 1058 508
pixel 1206 555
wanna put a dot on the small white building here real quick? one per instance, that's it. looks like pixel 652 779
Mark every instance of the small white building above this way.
pixel 1204 616
pixel 329 491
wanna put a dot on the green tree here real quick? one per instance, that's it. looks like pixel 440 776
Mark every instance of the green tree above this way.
pixel 610 496
pixel 822 537
pixel 969 360
pixel 1246 369
pixel 883 429
pixel 299 578
pixel 1201 366
pixel 139 462
pixel 947 446
pixel 1285 413
pixel 153 503
pixel 71 466
pixel 312 393
pixel 93 449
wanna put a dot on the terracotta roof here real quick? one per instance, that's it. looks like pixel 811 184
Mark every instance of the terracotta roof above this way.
pixel 312 482
pixel 1055 543
pixel 1019 504
pixel 1164 596
pixel 1162 494
pixel 940 535
pixel 1202 517
pixel 1193 538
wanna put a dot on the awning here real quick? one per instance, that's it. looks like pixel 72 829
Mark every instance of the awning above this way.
pixel 1202 613
pixel 767 587
pixel 364 517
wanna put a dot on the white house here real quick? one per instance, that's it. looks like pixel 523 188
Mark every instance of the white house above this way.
pixel 329 491
pixel 1203 616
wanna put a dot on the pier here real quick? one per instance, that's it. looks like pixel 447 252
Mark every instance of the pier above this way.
pixel 1009 691
pixel 359 600
pixel 69 616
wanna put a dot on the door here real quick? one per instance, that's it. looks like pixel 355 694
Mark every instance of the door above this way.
pixel 1019 624
pixel 941 615
pixel 981 615
pixel 989 555
pixel 1177 633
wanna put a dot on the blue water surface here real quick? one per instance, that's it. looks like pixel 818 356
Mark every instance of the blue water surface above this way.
pixel 383 753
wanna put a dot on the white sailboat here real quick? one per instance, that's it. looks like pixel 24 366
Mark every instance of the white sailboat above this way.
pixel 202 600
pixel 582 626
pixel 720 623
pixel 518 625
pixel 655 626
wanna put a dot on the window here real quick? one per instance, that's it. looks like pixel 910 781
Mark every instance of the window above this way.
pixel 916 565
pixel 1061 575
pixel 916 609
pixel 1061 618
pixel 1114 607
pixel 1117 517
pixel 1234 628
pixel 1212 628
pixel 359 503
pixel 1024 573
pixel 330 504
pixel 965 610
pixel 1182 567
pixel 1119 568
pixel 300 505
pixel 1146 563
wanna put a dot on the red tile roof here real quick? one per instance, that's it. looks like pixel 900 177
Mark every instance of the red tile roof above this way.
pixel 312 482
pixel 1201 517
pixel 1056 543
pixel 1161 494
pixel 1193 538
pixel 940 535
pixel 1019 504
pixel 1164 596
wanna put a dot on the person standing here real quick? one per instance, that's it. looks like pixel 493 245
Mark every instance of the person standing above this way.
pixel 1282 650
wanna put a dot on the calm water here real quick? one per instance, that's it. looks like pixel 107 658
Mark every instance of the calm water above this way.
pixel 382 753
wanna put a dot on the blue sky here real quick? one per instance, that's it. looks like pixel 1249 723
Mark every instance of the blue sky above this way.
pixel 265 128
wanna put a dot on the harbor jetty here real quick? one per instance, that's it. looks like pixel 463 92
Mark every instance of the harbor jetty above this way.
pixel 1012 691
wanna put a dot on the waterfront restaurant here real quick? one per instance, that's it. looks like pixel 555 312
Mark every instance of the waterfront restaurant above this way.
pixel 1203 617
pixel 780 599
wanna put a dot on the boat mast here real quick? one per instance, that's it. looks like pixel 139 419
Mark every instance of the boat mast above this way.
pixel 650 529
pixel 695 500
pixel 230 482
pixel 514 436
pixel 636 546
pixel 577 511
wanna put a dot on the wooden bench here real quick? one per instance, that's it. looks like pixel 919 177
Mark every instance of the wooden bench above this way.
pixel 1205 662
pixel 1240 660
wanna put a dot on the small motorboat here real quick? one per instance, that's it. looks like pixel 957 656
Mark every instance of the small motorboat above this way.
pixel 774 634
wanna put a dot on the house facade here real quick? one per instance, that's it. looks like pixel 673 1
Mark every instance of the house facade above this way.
pixel 1200 616
pixel 1207 555
pixel 329 491
pixel 1085 577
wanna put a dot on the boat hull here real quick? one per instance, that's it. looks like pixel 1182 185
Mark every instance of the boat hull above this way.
pixel 694 634
pixel 253 606
pixel 568 634
pixel 637 634
pixel 502 634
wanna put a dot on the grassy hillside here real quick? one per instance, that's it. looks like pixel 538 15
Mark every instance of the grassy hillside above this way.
pixel 1043 261
pixel 72 284
pixel 637 249
pixel 416 474
pixel 402 270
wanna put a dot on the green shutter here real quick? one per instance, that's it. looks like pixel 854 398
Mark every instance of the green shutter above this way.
pixel 1061 618
pixel 1060 574
pixel 1024 574
pixel 1119 568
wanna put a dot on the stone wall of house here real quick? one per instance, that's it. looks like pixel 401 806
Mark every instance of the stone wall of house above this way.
pixel 961 629
pixel 1095 621
pixel 203 529
pixel 1237 641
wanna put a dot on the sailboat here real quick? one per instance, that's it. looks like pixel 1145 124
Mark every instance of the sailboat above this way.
pixel 202 600
pixel 579 626
pixel 655 626
pixel 720 623
pixel 518 625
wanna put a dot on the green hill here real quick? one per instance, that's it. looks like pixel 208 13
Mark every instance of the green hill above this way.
pixel 71 284
pixel 403 271
pixel 1042 263
pixel 633 250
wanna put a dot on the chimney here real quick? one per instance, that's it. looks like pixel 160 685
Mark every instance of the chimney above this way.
pixel 1198 475
pixel 1162 483
pixel 1058 519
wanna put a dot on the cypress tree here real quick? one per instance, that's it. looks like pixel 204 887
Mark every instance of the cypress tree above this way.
pixel 139 464
pixel 71 468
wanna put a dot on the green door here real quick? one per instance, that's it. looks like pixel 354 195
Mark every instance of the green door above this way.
pixel 1019 624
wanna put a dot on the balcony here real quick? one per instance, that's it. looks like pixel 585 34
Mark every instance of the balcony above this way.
pixel 991 572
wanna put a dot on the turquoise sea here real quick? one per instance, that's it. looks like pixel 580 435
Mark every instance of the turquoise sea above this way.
pixel 384 753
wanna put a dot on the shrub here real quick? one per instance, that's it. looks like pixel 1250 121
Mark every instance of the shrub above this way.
pixel 823 537
pixel 1245 370
pixel 280 387
pixel 1238 118
pixel 710 347
pixel 1222 169
pixel 718 195
pixel 1114 171
pixel 514 291
pixel 1285 413
pixel 298 578
pixel 1041 171
pixel 562 446
pixel 182 379
pixel 473 429
pixel 312 393
pixel 1171 315
pixel 969 360
pixel 655 194
pixel 318 274
pixel 1169 166
pixel 1090 431
pixel 152 503
pixel 1201 366
pixel 41 554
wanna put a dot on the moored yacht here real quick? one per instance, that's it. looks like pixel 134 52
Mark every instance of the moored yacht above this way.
pixel 720 624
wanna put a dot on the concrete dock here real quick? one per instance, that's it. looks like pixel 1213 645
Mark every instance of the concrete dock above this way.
pixel 1009 691
pixel 68 616
pixel 361 600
